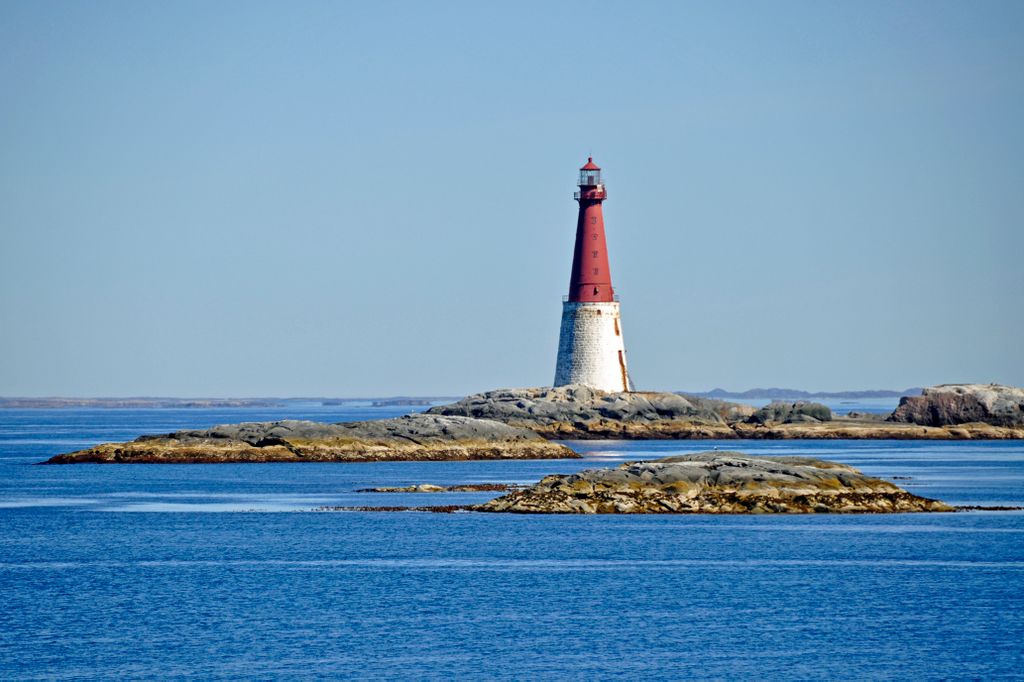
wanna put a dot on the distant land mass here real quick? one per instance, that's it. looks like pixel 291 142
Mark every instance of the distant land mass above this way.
pixel 206 403
pixel 797 394
pixel 399 401
pixel 135 403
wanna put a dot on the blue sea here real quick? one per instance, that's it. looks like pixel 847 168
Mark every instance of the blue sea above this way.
pixel 226 572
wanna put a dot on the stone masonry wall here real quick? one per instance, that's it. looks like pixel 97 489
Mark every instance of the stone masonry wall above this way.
pixel 591 350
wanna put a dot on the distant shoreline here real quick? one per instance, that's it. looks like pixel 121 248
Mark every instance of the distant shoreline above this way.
pixel 146 402
pixel 207 403
pixel 797 394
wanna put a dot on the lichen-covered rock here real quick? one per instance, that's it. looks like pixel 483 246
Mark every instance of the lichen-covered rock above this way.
pixel 791 413
pixel 578 411
pixel 413 437
pixel 951 404
pixel 714 483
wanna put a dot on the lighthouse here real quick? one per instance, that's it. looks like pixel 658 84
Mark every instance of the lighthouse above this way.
pixel 590 346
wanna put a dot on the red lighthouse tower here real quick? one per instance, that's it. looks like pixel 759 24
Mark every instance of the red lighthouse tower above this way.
pixel 590 346
pixel 591 279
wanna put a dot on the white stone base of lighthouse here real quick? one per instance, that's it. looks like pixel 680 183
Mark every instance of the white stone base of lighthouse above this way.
pixel 590 347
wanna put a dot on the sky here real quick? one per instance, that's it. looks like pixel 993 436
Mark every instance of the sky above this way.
pixel 375 198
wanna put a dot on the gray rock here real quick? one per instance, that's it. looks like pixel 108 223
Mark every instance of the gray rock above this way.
pixel 791 413
pixel 413 427
pixel 413 437
pixel 575 402
pixel 580 411
pixel 951 404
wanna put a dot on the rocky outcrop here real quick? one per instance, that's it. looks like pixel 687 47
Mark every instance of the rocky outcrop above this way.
pixel 797 412
pixel 952 404
pixel 413 437
pixel 580 412
pixel 714 483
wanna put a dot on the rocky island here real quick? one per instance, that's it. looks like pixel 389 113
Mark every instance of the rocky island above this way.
pixel 521 423
pixel 715 483
pixel 580 412
pixel 413 437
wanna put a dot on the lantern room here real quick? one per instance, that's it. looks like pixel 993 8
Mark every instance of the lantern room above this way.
pixel 590 174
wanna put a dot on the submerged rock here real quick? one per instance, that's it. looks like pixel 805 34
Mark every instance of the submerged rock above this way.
pixel 432 488
pixel 420 488
pixel 412 437
pixel 714 483
pixel 952 404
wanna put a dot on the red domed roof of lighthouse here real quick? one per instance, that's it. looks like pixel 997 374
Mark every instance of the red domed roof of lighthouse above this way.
pixel 590 165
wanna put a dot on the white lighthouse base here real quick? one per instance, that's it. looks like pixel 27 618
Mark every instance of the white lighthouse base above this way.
pixel 590 347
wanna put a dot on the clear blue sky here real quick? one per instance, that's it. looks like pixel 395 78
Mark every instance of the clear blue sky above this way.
pixel 306 198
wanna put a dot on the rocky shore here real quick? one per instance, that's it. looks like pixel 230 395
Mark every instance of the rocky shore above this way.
pixel 582 413
pixel 715 483
pixel 413 437
pixel 865 428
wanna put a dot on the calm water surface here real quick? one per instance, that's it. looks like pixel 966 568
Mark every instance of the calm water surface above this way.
pixel 221 571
